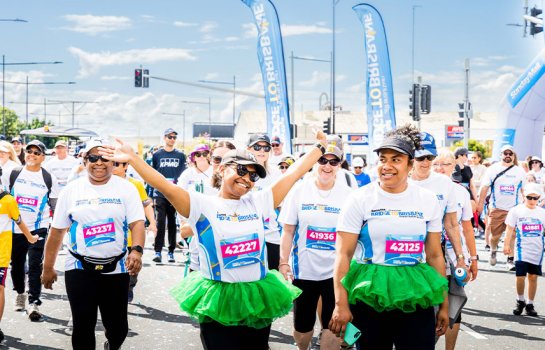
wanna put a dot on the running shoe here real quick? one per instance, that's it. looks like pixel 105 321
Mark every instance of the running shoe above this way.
pixel 487 248
pixel 35 314
pixel 519 307
pixel 106 345
pixel 510 265
pixel 493 259
pixel 530 311
pixel 20 302
pixel 1 335
pixel 171 257
pixel 158 258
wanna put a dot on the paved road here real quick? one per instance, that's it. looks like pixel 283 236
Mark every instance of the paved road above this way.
pixel 156 322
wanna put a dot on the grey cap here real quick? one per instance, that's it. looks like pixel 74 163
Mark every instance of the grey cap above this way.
pixel 241 156
pixel 398 144
pixel 36 143
pixel 460 151
pixel 170 131
pixel 334 146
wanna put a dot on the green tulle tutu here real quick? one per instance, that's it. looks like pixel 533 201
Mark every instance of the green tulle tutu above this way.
pixel 386 288
pixel 254 304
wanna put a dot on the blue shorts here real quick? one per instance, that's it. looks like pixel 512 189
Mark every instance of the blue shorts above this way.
pixel 523 268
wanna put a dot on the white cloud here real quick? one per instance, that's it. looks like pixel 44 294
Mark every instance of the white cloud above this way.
pixel 114 77
pixel 93 25
pixel 250 30
pixel 232 38
pixel 182 24
pixel 92 62
pixel 317 78
pixel 211 76
pixel 208 26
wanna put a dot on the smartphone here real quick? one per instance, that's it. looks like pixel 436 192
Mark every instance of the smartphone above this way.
pixel 351 334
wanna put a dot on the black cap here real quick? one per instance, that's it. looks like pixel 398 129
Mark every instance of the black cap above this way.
pixel 255 138
pixel 36 143
pixel 397 144
pixel 241 156
pixel 460 151
pixel 276 139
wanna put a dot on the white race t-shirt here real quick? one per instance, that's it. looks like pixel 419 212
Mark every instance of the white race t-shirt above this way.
pixel 30 192
pixel 506 192
pixel 6 171
pixel 231 235
pixel 315 212
pixel 272 230
pixel 528 224
pixel 61 168
pixel 98 217
pixel 464 212
pixel 392 227
pixel 197 181
pixel 443 187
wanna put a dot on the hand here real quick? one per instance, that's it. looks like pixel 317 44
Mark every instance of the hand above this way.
pixel 506 249
pixel 320 136
pixel 442 320
pixel 80 168
pixel 474 269
pixel 153 228
pixel 480 207
pixel 121 153
pixel 33 239
pixel 49 276
pixel 340 317
pixel 134 262
pixel 285 270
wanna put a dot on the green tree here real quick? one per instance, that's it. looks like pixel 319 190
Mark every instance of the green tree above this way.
pixel 14 125
pixel 474 145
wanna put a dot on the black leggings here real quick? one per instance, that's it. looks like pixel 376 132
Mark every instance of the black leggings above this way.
pixel 304 307
pixel 215 336
pixel 382 330
pixel 165 212
pixel 273 255
pixel 89 292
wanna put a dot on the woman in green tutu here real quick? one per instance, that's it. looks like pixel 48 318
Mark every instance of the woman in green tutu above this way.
pixel 392 228
pixel 234 296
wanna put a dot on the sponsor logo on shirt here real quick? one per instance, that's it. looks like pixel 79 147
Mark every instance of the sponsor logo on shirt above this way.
pixel 321 207
pixel 397 213
pixel 236 218
pixel 97 201
pixel 169 163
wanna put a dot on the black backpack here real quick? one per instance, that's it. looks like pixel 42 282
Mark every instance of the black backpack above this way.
pixel 15 174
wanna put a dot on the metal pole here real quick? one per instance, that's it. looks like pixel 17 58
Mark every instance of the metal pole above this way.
pixel 45 111
pixel 73 111
pixel 209 118
pixel 412 55
pixel 234 98
pixel 183 129
pixel 419 82
pixel 292 106
pixel 466 104
pixel 333 74
pixel 3 94
pixel 27 101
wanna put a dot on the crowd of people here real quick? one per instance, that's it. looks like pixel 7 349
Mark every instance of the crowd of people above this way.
pixel 373 253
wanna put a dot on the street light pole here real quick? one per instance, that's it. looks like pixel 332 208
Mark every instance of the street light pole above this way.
pixel 333 3
pixel 413 35
pixel 233 84
pixel 209 103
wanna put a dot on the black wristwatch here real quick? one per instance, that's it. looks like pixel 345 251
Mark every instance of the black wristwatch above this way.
pixel 320 147
pixel 138 248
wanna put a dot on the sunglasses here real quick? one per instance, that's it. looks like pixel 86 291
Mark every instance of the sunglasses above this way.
pixel 532 198
pixel 275 145
pixel 200 154
pixel 423 158
pixel 242 170
pixel 116 164
pixel 332 162
pixel 283 167
pixel 260 147
pixel 93 158
pixel 36 153
pixel 358 167
pixel 217 159
pixel 507 153
pixel 170 137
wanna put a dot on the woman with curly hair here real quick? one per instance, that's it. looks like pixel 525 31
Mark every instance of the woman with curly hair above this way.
pixel 390 289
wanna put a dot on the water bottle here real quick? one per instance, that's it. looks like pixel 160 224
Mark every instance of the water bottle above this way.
pixel 460 275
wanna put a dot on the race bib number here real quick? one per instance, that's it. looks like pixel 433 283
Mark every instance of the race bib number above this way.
pixel 27 201
pixel 404 249
pixel 507 190
pixel 99 232
pixel 240 251
pixel 321 238
pixel 533 229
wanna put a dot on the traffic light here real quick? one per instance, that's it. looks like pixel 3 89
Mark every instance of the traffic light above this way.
pixel 534 28
pixel 425 99
pixel 414 102
pixel 461 113
pixel 327 126
pixel 146 78
pixel 138 78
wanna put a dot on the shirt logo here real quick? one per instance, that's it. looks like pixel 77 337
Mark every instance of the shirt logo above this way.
pixel 397 213
pixel 321 207
pixel 169 163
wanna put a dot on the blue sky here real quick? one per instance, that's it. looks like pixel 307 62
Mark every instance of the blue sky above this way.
pixel 101 42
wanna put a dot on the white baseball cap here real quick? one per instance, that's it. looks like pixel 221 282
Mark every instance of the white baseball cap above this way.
pixel 357 162
pixel 532 188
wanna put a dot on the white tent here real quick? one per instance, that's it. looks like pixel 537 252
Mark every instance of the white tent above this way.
pixel 57 131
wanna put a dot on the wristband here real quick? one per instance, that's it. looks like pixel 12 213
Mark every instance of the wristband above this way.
pixel 474 258
pixel 320 147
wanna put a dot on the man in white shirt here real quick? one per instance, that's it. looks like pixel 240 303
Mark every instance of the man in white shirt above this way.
pixel 62 164
pixel 277 151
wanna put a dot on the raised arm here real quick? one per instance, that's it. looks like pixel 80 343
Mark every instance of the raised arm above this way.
pixel 283 185
pixel 176 195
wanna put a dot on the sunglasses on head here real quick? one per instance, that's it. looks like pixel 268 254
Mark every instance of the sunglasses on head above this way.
pixel 116 164
pixel 216 159
pixel 172 137
pixel 242 170
pixel 532 198
pixel 200 154
pixel 93 158
pixel 507 153
pixel 423 158
pixel 257 147
pixel 332 162
pixel 36 153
